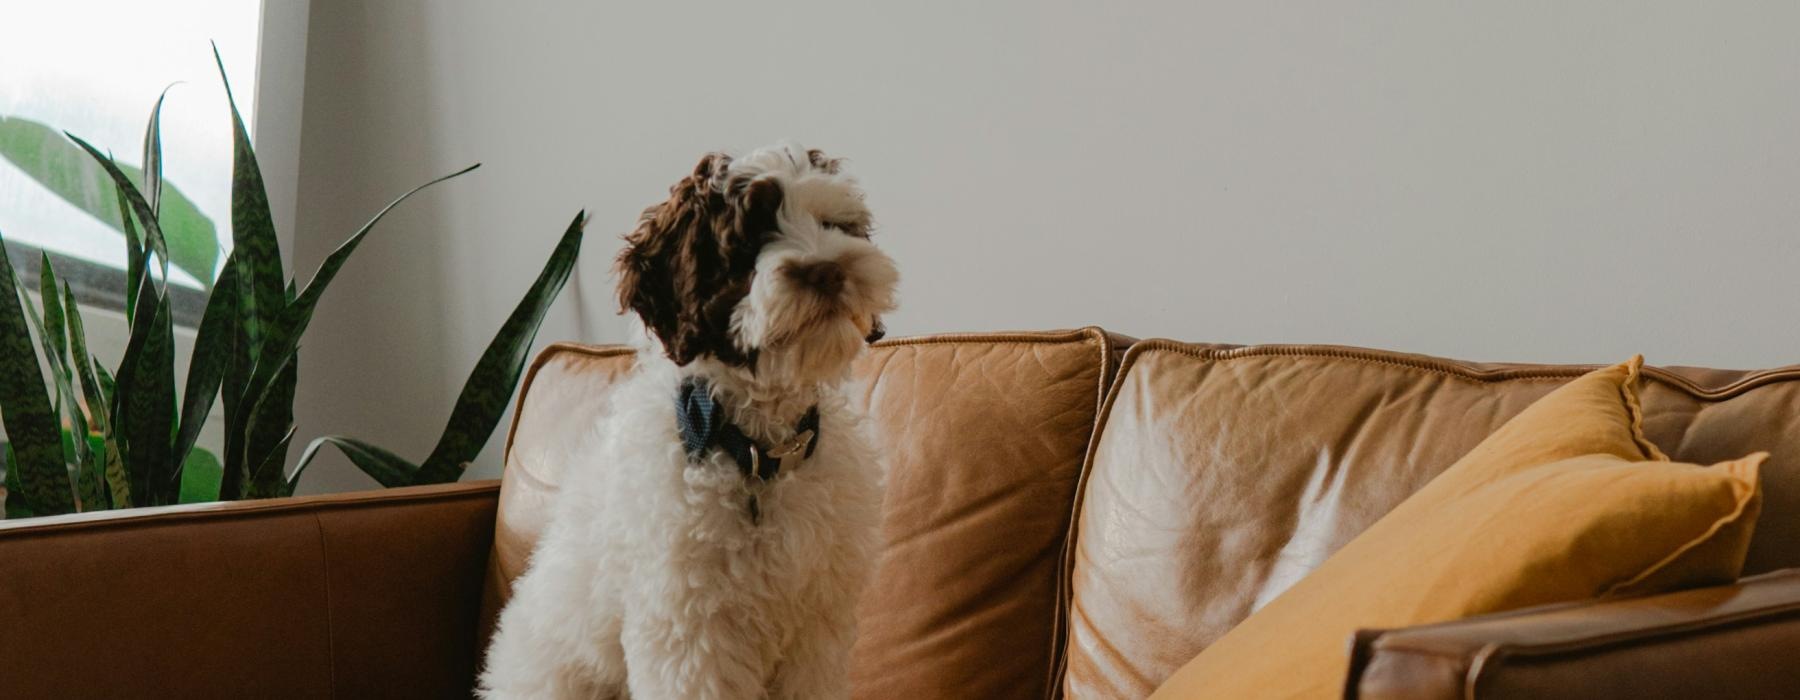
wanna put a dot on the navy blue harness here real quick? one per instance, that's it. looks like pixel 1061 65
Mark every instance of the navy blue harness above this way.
pixel 704 427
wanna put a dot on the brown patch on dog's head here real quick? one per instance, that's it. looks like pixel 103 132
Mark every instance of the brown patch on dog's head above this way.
pixel 692 258
pixel 820 161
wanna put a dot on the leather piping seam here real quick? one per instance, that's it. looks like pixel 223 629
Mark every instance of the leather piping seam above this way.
pixel 553 350
pixel 1066 580
pixel 1484 658
pixel 544 358
pixel 1059 621
pixel 1774 612
pixel 1465 372
pixel 251 509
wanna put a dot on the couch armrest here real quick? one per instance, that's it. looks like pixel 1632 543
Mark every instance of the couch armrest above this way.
pixel 1737 641
pixel 371 594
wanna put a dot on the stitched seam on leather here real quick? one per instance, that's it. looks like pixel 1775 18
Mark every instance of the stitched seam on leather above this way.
pixel 1060 620
pixel 604 351
pixel 251 509
pixel 1736 388
pixel 544 358
pixel 1071 542
pixel 330 629
pixel 1768 614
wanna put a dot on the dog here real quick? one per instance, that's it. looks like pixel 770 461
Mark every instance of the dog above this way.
pixel 716 543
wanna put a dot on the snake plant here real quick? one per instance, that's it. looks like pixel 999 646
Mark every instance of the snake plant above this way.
pixel 141 429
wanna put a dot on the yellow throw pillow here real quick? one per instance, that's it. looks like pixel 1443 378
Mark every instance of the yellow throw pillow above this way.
pixel 1567 501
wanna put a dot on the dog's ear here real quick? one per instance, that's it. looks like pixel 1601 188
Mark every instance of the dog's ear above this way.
pixel 692 257
pixel 757 206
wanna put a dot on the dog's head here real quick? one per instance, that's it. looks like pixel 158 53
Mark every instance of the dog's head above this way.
pixel 762 263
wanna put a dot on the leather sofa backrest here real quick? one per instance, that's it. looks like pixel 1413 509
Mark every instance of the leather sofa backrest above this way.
pixel 370 594
pixel 1220 475
pixel 985 436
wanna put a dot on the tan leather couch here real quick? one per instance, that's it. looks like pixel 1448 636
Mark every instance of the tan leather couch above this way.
pixel 1029 553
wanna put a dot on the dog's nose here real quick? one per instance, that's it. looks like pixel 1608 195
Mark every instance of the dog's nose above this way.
pixel 826 278
pixel 877 330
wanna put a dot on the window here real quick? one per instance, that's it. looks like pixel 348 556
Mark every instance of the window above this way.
pixel 94 68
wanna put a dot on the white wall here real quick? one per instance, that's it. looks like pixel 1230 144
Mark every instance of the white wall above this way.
pixel 1505 181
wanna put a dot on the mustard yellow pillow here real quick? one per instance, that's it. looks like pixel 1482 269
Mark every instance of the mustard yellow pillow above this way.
pixel 1567 501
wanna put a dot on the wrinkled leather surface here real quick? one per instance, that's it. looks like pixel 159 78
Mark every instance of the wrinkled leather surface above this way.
pixel 1735 641
pixel 984 435
pixel 1220 476
pixel 369 594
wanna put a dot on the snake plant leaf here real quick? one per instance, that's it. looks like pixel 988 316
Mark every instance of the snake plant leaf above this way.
pixel 106 454
pixel 139 335
pixel 488 391
pixel 25 410
pixel 266 480
pixel 53 336
pixel 233 475
pixel 153 154
pixel 16 507
pixel 252 228
pixel 108 384
pixel 284 336
pixel 134 256
pixel 153 236
pixel 271 422
pixel 82 363
pixel 200 477
pixel 206 367
pixel 55 327
pixel 389 469
pixel 147 394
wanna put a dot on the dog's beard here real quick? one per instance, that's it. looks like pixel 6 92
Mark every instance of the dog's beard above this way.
pixel 805 338
pixel 801 335
pixel 821 352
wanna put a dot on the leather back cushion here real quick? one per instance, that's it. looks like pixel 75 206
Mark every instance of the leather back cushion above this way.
pixel 1222 475
pixel 985 436
pixel 355 595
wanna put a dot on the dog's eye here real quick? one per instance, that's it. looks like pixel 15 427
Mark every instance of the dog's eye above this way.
pixel 848 228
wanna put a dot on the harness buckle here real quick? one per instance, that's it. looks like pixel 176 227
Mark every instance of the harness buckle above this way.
pixel 793 446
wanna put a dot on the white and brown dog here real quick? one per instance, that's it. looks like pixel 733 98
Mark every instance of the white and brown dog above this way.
pixel 715 544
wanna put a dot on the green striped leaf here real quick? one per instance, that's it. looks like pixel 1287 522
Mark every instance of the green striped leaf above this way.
pixel 284 337
pixel 55 328
pixel 108 384
pixel 489 388
pixel 16 507
pixel 266 481
pixel 25 410
pixel 389 469
pixel 53 336
pixel 134 255
pixel 111 467
pixel 252 229
pixel 271 422
pixel 147 394
pixel 153 170
pixel 81 364
pixel 212 352
pixel 153 236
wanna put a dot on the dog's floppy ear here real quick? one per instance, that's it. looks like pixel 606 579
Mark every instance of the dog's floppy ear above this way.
pixel 692 257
